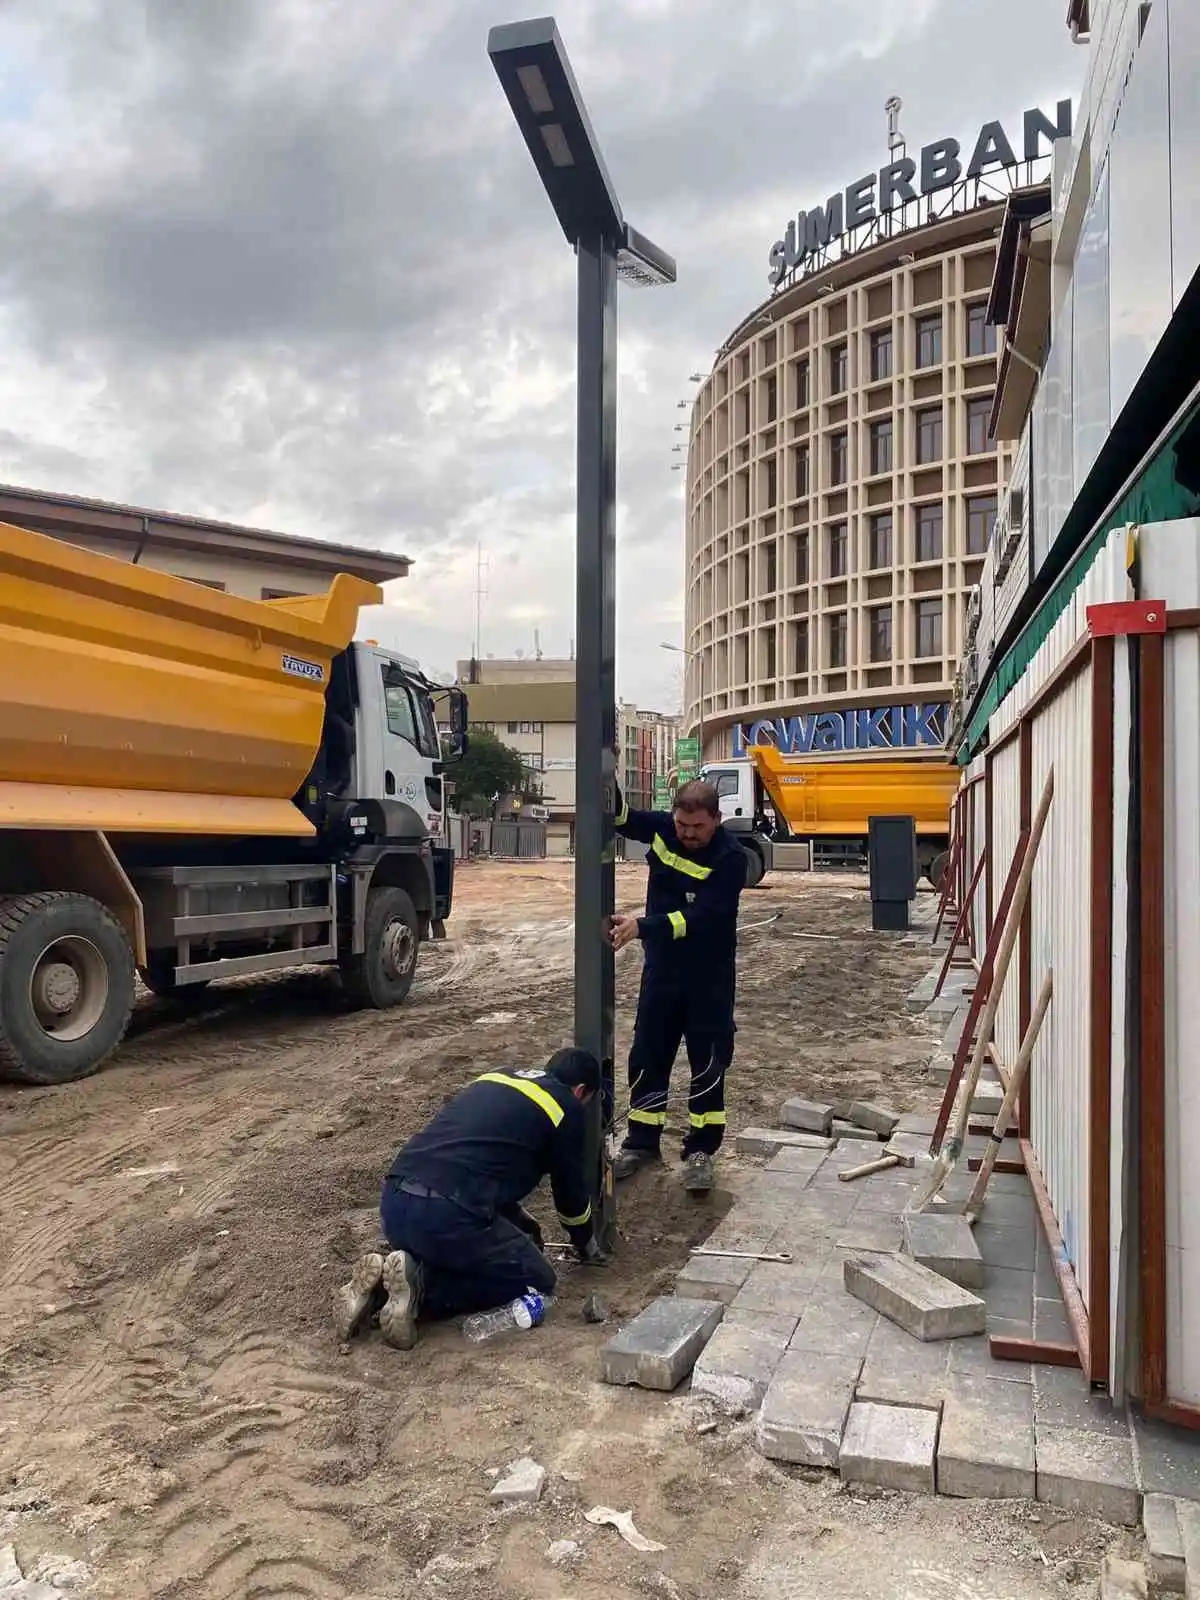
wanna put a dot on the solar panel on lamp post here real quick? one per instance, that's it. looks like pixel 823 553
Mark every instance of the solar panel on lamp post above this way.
pixel 540 87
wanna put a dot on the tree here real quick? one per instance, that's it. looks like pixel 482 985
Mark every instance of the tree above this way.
pixel 488 770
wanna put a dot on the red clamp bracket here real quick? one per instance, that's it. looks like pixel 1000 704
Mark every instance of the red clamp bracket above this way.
pixel 1120 617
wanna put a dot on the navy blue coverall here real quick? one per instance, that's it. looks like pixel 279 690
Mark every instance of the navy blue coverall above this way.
pixel 452 1197
pixel 689 935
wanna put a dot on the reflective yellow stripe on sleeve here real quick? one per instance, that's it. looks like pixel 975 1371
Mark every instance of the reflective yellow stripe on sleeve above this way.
pixel 577 1222
pixel 532 1091
pixel 623 814
pixel 678 924
pixel 654 1119
pixel 690 869
pixel 707 1119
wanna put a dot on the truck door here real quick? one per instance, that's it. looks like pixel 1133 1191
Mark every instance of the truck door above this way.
pixel 735 791
pixel 397 745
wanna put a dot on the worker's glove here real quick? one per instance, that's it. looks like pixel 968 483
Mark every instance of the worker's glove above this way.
pixel 591 1254
pixel 528 1226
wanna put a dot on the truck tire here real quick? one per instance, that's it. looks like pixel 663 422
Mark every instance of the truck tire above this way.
pixel 66 986
pixel 756 867
pixel 383 974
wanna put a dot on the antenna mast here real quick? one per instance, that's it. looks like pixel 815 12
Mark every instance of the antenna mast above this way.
pixel 481 566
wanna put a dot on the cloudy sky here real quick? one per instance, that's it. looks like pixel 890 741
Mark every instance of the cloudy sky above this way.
pixel 287 262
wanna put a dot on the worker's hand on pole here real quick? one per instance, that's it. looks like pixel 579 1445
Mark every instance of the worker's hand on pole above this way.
pixel 622 931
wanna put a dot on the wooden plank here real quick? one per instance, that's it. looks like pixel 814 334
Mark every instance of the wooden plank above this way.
pixel 1015 1169
pixel 1040 1350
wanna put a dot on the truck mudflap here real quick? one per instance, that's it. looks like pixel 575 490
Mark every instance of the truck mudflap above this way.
pixel 443 888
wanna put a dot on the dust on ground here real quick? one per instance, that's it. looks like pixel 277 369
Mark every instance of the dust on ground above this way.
pixel 176 1411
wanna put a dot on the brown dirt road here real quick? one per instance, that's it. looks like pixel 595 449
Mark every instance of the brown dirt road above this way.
pixel 174 1408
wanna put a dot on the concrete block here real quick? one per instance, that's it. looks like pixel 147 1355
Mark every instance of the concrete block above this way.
pixel 878 1119
pixel 834 1322
pixel 736 1366
pixel 902 1371
pixel 1009 1293
pixel 1062 1398
pixel 766 1141
pixel 1008 1246
pixel 776 1325
pixel 986 1448
pixel 659 1347
pixel 1169 1458
pixel 780 1287
pixel 522 1482
pixel 1188 1513
pixel 1121 1579
pixel 987 1100
pixel 892 1446
pixel 871 1230
pixel 1050 1320
pixel 939 1068
pixel 926 1305
pixel 792 1162
pixel 1164 1543
pixel 917 1122
pixel 974 1357
pixel 841 1129
pixel 1088 1473
pixel 945 1245
pixel 806 1115
pixel 712 1278
pixel 911 1148
pixel 804 1410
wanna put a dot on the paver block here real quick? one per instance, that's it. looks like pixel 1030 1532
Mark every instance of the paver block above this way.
pixel 795 1161
pixel 974 1357
pixel 910 1149
pixel 1010 1245
pixel 834 1322
pixel 939 1067
pixel 766 1141
pixel 804 1410
pixel 892 1446
pixel 806 1115
pixel 1164 1543
pixel 841 1129
pixel 985 1449
pixel 1091 1473
pixel 522 1482
pixel 736 1366
pixel 987 1100
pixel 776 1325
pixel 871 1230
pixel 712 1278
pixel 1188 1513
pixel 1169 1458
pixel 877 1118
pixel 1062 1398
pixel 777 1286
pixel 945 1245
pixel 1009 1294
pixel 659 1347
pixel 926 1305
pixel 1121 1579
pixel 902 1371
pixel 917 1122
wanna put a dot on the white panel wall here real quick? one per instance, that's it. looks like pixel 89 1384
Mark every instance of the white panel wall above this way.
pixel 1006 830
pixel 978 843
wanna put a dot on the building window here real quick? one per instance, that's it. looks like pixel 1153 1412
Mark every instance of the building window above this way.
pixel 772 483
pixel 881 446
pixel 929 532
pixel 769 663
pixel 929 341
pixel 839 458
pixel 837 627
pixel 879 620
pixel 770 569
pixel 978 415
pixel 929 435
pixel 981 336
pixel 531 727
pixel 981 519
pixel 800 647
pixel 514 727
pixel 801 574
pixel 880 539
pixel 839 541
pixel 881 354
pixel 800 390
pixel 839 369
pixel 800 457
pixel 772 397
pixel 929 627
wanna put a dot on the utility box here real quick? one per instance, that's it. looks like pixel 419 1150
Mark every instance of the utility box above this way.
pixel 892 854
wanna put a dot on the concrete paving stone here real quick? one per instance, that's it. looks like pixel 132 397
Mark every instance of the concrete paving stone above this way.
pixel 1169 1459
pixel 894 1447
pixel 766 1141
pixel 879 1119
pixel 834 1322
pixel 791 1162
pixel 1008 1328
pixel 1089 1473
pixel 659 1347
pixel 1121 1579
pixel 804 1410
pixel 899 1370
pixel 776 1325
pixel 938 1069
pixel 987 1100
pixel 843 1130
pixel 780 1287
pixel 1050 1319
pixel 946 1245
pixel 1063 1399
pixel 1006 1246
pixel 829 1209
pixel 884 1194
pixel 1189 1532
pixel 1009 1210
pixel 1009 1293
pixel 1164 1543
pixel 1008 1183
pixel 871 1230
pixel 848 1154
pixel 973 1358
pixel 712 1278
pixel 986 1448
pixel 1045 1279
pixel 916 1122
pixel 912 1148
pixel 522 1483
pixel 773 1193
pixel 928 1306
pixel 809 1116
pixel 736 1366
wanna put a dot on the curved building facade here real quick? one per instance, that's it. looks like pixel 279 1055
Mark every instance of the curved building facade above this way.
pixel 841 491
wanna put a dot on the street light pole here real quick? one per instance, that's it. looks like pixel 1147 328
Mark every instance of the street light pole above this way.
pixel 698 657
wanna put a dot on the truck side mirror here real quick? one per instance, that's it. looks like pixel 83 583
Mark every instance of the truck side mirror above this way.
pixel 459 738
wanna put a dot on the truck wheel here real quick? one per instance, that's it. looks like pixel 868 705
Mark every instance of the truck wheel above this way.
pixel 756 867
pixel 383 974
pixel 66 986
pixel 937 869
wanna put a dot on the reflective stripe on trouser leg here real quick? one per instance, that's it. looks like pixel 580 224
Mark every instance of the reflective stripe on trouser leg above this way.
pixel 656 1036
pixel 709 1055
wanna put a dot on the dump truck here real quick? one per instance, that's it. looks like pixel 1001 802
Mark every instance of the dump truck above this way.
pixel 769 799
pixel 195 786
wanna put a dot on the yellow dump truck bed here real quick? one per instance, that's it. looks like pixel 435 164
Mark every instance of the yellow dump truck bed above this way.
pixel 838 796
pixel 132 701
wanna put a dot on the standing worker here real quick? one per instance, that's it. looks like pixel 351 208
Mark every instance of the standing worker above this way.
pixel 451 1208
pixel 689 935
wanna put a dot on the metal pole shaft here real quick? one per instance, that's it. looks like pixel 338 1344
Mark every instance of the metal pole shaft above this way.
pixel 595 695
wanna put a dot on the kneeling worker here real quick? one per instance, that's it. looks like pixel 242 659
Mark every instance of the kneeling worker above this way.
pixel 451 1209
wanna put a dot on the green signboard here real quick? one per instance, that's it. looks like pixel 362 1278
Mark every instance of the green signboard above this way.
pixel 687 750
pixel 662 795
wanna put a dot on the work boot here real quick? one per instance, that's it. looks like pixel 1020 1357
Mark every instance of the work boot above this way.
pixel 353 1300
pixel 404 1282
pixel 629 1161
pixel 698 1172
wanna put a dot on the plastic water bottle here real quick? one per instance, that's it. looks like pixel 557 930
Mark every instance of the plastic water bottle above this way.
pixel 524 1313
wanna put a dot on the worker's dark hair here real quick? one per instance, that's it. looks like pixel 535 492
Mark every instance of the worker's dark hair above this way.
pixel 575 1067
pixel 698 796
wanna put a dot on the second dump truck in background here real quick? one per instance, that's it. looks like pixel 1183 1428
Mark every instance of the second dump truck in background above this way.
pixel 195 786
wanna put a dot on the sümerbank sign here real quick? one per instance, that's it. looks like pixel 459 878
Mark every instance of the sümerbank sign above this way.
pixel 941 165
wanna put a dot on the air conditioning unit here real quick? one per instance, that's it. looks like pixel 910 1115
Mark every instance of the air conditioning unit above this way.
pixel 538 813
pixel 974 612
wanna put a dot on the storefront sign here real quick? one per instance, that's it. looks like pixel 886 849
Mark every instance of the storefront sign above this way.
pixel 876 728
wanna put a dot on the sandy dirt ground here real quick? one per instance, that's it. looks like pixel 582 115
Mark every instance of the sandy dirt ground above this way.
pixel 175 1411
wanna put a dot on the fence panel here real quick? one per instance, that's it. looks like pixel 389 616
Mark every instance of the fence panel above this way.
pixel 1006 830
